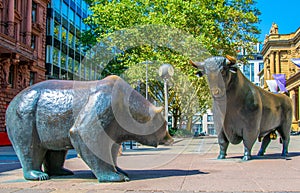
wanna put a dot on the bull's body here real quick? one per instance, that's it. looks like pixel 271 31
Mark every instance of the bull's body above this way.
pixel 249 111
pixel 47 119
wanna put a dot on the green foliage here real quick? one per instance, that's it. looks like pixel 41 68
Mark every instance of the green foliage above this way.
pixel 130 32
pixel 182 133
pixel 221 25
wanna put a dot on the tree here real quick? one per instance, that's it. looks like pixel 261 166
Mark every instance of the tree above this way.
pixel 181 30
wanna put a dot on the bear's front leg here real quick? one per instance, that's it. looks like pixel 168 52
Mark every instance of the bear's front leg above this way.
pixel 97 156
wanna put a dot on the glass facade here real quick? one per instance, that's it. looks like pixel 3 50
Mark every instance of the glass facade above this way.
pixel 64 51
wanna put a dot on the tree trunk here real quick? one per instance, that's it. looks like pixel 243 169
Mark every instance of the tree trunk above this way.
pixel 189 124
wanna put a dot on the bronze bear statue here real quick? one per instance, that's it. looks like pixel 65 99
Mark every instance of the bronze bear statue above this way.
pixel 93 117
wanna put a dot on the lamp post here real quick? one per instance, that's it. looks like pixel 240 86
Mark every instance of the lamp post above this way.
pixel 147 62
pixel 166 71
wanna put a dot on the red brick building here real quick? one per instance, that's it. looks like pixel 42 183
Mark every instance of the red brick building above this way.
pixel 22 48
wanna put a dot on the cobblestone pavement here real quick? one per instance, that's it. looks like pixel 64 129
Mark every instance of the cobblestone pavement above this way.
pixel 190 165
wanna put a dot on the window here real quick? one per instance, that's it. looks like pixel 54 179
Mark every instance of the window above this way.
pixel 64 35
pixel 210 118
pixel 252 72
pixel 82 71
pixel 56 5
pixel 32 78
pixel 63 60
pixel 211 129
pixel 71 16
pixel 16 4
pixel 77 21
pixel 34 12
pixel 64 9
pixel 56 30
pixel 55 56
pixel 33 41
pixel 246 70
pixel 48 28
pixel 70 64
pixel 261 66
pixel 11 75
pixel 76 67
pixel 71 39
pixel 49 54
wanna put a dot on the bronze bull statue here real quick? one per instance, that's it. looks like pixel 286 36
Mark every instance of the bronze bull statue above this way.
pixel 94 117
pixel 243 111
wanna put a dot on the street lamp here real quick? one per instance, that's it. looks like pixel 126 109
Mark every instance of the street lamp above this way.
pixel 147 62
pixel 166 71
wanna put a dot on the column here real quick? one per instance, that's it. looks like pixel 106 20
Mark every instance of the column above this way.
pixel 294 122
pixel 278 62
pixel 265 73
pixel 298 107
pixel 271 65
pixel 11 18
pixel 28 23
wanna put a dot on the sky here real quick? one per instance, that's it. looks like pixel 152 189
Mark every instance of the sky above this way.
pixel 283 12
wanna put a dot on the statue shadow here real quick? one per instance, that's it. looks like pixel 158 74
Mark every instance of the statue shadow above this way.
pixel 154 174
pixel 271 156
pixel 135 175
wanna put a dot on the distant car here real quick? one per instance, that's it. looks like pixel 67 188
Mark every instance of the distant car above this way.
pixel 295 132
pixel 203 133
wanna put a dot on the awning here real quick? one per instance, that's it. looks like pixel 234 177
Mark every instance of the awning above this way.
pixel 296 61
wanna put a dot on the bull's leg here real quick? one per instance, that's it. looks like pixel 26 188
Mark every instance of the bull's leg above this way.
pixel 285 137
pixel 248 141
pixel 264 145
pixel 54 162
pixel 223 143
pixel 103 169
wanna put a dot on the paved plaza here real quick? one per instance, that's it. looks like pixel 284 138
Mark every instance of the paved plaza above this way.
pixel 189 166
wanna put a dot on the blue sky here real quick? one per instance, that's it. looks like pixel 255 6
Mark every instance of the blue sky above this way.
pixel 283 12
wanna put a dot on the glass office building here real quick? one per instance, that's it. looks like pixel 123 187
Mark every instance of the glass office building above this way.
pixel 64 51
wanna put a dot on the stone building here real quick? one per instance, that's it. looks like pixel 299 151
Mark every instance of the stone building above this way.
pixel 22 48
pixel 278 52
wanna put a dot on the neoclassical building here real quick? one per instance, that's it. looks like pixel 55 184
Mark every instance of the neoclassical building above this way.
pixel 22 48
pixel 279 52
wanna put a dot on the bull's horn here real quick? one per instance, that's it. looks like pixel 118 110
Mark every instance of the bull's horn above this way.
pixel 231 60
pixel 158 109
pixel 197 64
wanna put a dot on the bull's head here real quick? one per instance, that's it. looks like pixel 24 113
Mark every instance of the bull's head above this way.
pixel 219 71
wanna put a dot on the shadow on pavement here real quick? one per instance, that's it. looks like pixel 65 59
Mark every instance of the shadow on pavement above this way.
pixel 135 174
pixel 152 174
pixel 270 156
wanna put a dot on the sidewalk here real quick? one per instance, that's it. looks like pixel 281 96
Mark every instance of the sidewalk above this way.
pixel 188 166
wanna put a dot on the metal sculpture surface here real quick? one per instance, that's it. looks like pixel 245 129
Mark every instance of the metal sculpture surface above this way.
pixel 95 117
pixel 243 111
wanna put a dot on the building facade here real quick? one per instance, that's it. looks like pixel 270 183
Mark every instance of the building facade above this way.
pixel 278 53
pixel 204 123
pixel 65 52
pixel 22 48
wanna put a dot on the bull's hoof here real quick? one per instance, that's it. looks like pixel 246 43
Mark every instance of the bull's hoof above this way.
pixel 284 154
pixel 246 158
pixel 260 153
pixel 36 175
pixel 221 156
